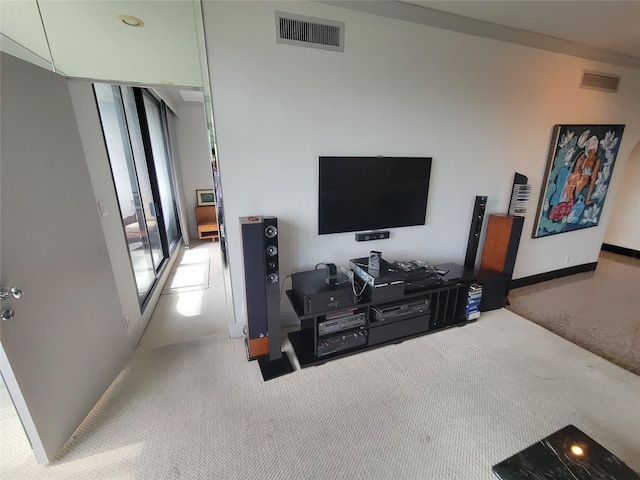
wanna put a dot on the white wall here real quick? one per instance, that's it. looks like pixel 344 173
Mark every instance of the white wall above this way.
pixel 195 156
pixel 482 109
pixel 624 227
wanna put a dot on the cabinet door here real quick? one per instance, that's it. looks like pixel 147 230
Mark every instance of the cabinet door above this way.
pixel 396 330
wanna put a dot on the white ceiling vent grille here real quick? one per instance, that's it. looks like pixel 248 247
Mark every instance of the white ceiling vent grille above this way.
pixel 603 82
pixel 303 31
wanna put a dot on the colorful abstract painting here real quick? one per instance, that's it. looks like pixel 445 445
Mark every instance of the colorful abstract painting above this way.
pixel 579 167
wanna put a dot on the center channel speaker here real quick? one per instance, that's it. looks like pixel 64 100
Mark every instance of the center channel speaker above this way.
pixel 262 286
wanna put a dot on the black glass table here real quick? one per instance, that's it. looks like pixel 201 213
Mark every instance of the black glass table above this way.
pixel 566 454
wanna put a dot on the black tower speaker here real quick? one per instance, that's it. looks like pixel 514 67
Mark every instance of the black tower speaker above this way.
pixel 474 232
pixel 262 287
pixel 260 254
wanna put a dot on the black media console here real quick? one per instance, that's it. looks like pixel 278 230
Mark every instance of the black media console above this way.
pixel 334 325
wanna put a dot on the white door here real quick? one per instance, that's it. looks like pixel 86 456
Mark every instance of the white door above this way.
pixel 65 339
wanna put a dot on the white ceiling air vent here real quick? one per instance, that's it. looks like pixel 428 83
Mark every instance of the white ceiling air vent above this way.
pixel 303 31
pixel 603 82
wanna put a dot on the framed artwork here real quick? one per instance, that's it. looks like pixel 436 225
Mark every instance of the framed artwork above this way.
pixel 205 197
pixel 579 166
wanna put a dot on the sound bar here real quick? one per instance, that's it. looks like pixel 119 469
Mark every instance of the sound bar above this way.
pixel 377 235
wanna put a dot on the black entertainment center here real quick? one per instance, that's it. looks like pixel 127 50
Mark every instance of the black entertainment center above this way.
pixel 372 302
pixel 334 324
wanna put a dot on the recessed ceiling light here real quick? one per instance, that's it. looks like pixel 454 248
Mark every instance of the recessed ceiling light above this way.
pixel 131 21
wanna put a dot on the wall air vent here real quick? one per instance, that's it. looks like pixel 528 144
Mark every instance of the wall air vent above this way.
pixel 603 82
pixel 303 31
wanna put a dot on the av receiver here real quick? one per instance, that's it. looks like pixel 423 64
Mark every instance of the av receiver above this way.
pixel 341 342
pixel 339 323
pixel 314 294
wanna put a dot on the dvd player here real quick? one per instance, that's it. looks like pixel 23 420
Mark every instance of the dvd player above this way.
pixel 400 310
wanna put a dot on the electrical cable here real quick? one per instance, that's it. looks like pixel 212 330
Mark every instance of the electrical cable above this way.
pixel 282 285
pixel 358 295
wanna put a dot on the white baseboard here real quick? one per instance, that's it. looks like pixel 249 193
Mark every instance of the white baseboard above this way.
pixel 236 330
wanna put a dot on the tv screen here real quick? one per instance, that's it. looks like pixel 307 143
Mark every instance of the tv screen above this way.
pixel 370 193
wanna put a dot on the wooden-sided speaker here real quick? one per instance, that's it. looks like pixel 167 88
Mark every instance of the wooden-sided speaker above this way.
pixel 501 243
pixel 500 250
pixel 259 237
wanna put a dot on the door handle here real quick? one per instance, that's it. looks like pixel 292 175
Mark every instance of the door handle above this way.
pixel 15 292
pixel 7 314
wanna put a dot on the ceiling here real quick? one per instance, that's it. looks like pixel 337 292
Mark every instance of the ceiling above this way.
pixel 603 30
pixel 609 25
pixel 85 39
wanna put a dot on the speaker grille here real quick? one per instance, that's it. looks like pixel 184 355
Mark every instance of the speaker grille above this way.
pixel 255 273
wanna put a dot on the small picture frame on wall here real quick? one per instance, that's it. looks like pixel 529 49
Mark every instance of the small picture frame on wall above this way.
pixel 205 197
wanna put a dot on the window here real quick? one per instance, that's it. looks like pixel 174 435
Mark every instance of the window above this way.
pixel 135 136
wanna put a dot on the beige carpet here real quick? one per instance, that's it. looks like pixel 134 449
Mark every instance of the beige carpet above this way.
pixel 443 406
pixel 599 311
pixel 188 277
pixel 193 302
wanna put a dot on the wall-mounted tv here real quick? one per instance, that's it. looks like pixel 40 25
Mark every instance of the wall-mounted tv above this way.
pixel 370 193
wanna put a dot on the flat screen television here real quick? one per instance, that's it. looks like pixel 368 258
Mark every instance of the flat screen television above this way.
pixel 370 193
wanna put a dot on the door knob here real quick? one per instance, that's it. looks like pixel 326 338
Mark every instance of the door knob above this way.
pixel 7 314
pixel 15 292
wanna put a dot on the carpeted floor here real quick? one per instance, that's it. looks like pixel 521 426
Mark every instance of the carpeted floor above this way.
pixel 442 406
pixel 599 310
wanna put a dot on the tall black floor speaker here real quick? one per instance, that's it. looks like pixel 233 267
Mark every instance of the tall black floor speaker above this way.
pixel 262 288
pixel 475 231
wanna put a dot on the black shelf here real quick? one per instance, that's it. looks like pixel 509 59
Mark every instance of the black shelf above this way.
pixel 446 308
pixel 455 274
pixel 300 339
